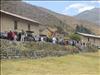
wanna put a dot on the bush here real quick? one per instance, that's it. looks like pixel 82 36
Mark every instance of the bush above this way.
pixel 75 37
pixel 83 29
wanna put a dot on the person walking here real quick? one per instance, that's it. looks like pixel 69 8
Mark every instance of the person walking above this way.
pixel 19 36
pixel 54 40
pixel 42 39
pixel 9 35
pixel 14 36
pixel 22 36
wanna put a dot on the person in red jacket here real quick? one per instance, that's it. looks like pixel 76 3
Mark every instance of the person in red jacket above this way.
pixel 14 36
pixel 9 35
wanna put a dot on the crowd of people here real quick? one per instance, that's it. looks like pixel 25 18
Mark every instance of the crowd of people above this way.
pixel 15 36
pixel 24 36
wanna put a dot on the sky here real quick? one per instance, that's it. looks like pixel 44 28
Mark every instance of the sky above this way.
pixel 70 8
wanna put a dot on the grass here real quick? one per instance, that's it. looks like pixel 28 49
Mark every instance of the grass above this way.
pixel 78 64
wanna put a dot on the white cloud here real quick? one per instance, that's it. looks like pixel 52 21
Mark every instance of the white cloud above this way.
pixel 79 7
pixel 98 1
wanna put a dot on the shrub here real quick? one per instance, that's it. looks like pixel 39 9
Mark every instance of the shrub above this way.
pixel 75 37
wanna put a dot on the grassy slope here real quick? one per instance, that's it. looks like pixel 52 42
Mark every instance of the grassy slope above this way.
pixel 80 64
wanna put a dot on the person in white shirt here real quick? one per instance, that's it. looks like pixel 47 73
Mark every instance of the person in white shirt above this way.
pixel 22 36
pixel 37 38
pixel 42 39
pixel 54 40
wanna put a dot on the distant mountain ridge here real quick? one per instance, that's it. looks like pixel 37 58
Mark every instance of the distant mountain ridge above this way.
pixel 92 15
pixel 47 17
pixel 73 22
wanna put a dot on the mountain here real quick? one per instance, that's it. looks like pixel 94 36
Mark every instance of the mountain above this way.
pixel 47 17
pixel 73 22
pixel 92 15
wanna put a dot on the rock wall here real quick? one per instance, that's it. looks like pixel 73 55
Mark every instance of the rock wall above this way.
pixel 13 50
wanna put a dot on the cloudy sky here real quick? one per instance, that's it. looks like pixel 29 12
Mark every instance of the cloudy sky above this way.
pixel 67 7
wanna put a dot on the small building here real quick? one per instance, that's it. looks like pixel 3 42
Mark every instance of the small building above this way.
pixel 89 38
pixel 14 22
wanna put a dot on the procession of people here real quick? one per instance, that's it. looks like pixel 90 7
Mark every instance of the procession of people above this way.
pixel 24 36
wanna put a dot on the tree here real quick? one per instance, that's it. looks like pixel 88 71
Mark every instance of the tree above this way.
pixel 82 29
pixel 75 37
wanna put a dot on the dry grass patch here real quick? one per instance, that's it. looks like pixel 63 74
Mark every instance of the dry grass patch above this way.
pixel 78 64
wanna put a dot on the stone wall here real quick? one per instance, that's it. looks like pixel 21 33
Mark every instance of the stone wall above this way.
pixel 12 50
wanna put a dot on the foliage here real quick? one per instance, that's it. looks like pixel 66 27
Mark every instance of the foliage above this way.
pixel 83 29
pixel 75 37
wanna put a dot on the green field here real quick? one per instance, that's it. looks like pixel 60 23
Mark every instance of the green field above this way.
pixel 78 64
